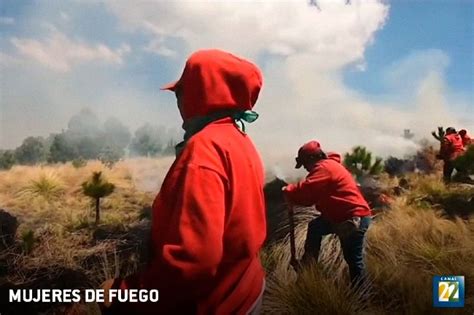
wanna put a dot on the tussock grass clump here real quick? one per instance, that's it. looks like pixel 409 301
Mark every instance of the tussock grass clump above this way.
pixel 312 292
pixel 47 186
pixel 427 185
pixel 316 286
pixel 453 199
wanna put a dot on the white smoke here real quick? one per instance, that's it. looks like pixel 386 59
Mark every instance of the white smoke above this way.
pixel 302 51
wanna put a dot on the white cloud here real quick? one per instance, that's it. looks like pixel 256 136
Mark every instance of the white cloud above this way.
pixel 302 51
pixel 416 66
pixel 7 60
pixel 6 20
pixel 59 53
pixel 64 16
pixel 158 47
pixel 304 95
pixel 336 35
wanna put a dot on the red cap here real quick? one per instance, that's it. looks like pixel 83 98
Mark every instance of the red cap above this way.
pixel 307 151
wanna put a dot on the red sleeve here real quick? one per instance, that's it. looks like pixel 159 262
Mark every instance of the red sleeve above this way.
pixel 191 254
pixel 307 192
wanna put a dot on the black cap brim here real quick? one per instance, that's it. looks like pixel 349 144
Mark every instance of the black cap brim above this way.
pixel 298 163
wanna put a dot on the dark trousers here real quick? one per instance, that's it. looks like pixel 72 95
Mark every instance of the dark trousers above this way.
pixel 352 246
pixel 448 169
pixel 461 174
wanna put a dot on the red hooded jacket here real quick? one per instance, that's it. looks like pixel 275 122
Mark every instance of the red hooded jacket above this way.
pixel 466 140
pixel 452 146
pixel 331 187
pixel 209 217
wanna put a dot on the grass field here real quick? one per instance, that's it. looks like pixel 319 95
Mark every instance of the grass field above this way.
pixel 57 242
pixel 406 247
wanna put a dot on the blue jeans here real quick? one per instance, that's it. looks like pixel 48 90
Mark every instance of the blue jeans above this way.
pixel 352 246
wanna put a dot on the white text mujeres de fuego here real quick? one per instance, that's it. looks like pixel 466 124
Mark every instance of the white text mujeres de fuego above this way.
pixel 76 295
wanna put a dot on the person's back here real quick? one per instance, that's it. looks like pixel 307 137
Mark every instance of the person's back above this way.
pixel 466 140
pixel 331 187
pixel 343 198
pixel 208 220
pixel 224 160
pixel 452 146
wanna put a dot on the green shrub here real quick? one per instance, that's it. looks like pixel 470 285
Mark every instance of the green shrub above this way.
pixel 466 161
pixel 360 162
pixel 79 162
pixel 7 160
pixel 110 155
pixel 96 188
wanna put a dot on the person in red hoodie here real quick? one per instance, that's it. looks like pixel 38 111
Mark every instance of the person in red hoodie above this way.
pixel 332 189
pixel 451 148
pixel 466 140
pixel 208 220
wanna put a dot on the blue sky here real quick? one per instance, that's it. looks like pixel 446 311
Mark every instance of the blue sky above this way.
pixel 416 26
pixel 359 73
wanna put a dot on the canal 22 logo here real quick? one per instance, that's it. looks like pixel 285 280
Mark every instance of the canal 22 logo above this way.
pixel 448 291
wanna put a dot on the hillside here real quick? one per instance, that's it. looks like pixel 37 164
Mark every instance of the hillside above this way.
pixel 429 230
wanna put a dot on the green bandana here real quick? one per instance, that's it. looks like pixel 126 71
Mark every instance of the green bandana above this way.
pixel 248 116
pixel 196 124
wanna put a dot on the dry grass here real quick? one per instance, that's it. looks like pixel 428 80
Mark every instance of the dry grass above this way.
pixel 53 193
pixel 56 219
pixel 406 247
pixel 47 187
pixel 317 287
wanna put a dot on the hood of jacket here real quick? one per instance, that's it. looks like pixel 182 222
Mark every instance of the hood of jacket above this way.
pixel 334 156
pixel 215 81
